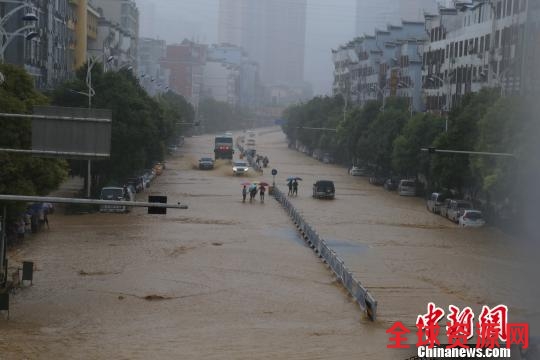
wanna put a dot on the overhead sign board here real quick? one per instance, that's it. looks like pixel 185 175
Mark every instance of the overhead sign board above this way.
pixel 73 133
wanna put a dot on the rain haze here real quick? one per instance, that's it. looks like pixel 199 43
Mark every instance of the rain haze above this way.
pixel 328 24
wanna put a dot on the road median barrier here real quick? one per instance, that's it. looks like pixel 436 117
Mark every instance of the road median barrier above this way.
pixel 361 295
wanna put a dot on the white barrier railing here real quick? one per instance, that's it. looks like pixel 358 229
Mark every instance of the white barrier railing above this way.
pixel 361 295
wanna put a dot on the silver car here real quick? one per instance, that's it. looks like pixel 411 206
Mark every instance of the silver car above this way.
pixel 457 208
pixel 407 188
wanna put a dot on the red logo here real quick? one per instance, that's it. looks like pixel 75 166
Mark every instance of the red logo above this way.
pixel 398 330
pixel 428 326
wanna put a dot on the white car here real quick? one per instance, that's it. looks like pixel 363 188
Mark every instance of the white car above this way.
pixel 240 168
pixel 471 218
pixel 407 188
pixel 356 171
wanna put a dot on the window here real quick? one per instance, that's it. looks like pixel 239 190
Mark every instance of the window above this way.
pixel 482 44
pixel 460 48
pixel 509 7
pixel 487 42
pixel 497 36
pixel 523 5
pixel 447 51
pixel 466 50
pixel 516 7
pixel 499 10
pixel 474 73
pixel 451 50
pixel 475 45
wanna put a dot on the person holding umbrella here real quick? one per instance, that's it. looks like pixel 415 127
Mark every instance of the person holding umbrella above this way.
pixel 252 192
pixel 289 184
pixel 262 190
pixel 295 187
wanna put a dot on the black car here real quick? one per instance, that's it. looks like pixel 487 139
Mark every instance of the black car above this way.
pixel 206 163
pixel 391 184
pixel 324 189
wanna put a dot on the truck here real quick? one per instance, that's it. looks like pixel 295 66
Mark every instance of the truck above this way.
pixel 223 148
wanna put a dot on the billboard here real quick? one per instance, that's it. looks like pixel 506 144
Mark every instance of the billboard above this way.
pixel 72 133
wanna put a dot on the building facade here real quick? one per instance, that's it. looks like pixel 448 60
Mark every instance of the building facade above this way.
pixel 120 22
pixel 372 15
pixel 474 45
pixel 43 48
pixel 388 63
pixel 153 77
pixel 186 62
pixel 233 62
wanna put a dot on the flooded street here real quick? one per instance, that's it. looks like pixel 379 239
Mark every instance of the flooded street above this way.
pixel 227 280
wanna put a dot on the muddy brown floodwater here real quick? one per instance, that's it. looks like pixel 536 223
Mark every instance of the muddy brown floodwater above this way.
pixel 227 280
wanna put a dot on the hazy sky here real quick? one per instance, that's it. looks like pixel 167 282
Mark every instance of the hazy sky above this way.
pixel 329 24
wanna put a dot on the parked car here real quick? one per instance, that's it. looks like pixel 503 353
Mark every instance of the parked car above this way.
pixel 407 188
pixel 443 209
pixel 324 189
pixel 158 168
pixel 137 183
pixel 240 168
pixel 115 194
pixel 356 171
pixel 457 208
pixel 327 158
pixel 391 184
pixel 471 218
pixel 206 163
pixel 377 180
pixel 435 201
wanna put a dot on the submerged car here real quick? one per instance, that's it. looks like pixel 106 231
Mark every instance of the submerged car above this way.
pixel 356 171
pixel 435 202
pixel 240 168
pixel 324 189
pixel 116 194
pixel 456 209
pixel 472 218
pixel 407 188
pixel 206 163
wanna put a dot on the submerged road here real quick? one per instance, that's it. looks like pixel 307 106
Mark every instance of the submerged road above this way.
pixel 227 280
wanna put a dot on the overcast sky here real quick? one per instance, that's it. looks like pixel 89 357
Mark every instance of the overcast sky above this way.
pixel 329 24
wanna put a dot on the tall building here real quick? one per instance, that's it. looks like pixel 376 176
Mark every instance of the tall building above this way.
pixel 186 63
pixel 124 15
pixel 43 50
pixel 377 14
pixel 83 22
pixel 273 33
pixel 153 77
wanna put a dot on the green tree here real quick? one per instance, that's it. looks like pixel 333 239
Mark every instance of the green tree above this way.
pixel 452 171
pixel 141 126
pixel 419 131
pixel 23 174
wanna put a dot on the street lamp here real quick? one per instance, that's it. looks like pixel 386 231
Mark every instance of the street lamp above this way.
pixel 5 37
pixel 380 91
pixel 446 82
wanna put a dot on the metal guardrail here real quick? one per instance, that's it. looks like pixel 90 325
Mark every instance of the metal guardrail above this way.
pixel 361 295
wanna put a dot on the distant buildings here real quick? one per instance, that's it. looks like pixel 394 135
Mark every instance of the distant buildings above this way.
pixel 154 77
pixel 454 51
pixel 378 14
pixel 273 34
pixel 475 45
pixel 185 63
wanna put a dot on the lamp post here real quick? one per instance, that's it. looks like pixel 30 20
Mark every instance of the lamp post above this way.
pixel 448 96
pixel 27 31
pixel 380 91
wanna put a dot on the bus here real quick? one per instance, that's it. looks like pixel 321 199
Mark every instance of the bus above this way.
pixel 223 147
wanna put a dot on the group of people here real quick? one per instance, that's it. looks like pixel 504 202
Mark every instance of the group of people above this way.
pixel 252 190
pixel 263 159
pixel 31 221
pixel 293 187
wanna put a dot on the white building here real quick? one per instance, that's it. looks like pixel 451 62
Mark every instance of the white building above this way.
pixel 473 45
pixel 153 77
pixel 377 14
pixel 221 82
pixel 388 63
